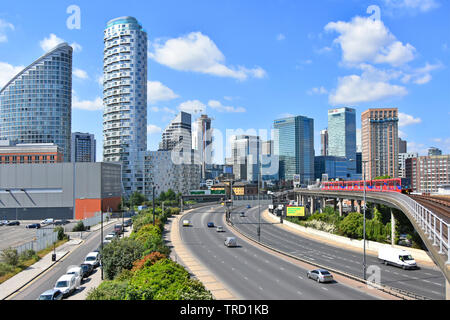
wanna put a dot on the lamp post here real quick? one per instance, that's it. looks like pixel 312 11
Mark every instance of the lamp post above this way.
pixel 153 204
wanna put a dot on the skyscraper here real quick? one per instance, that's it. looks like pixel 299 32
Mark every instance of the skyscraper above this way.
pixel 83 147
pixel 245 154
pixel 125 98
pixel 402 146
pixel 202 141
pixel 324 142
pixel 380 142
pixel 342 133
pixel 294 144
pixel 178 134
pixel 36 105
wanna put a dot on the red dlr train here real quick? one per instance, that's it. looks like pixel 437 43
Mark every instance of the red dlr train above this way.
pixel 402 185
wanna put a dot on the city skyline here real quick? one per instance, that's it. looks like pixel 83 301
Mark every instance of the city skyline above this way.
pixel 233 84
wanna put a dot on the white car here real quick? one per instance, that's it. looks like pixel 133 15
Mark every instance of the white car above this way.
pixel 109 238
pixel 219 229
pixel 66 284
pixel 77 272
pixel 92 258
pixel 48 221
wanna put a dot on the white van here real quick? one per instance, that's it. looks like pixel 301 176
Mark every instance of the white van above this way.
pixel 77 272
pixel 48 221
pixel 396 257
pixel 92 258
pixel 66 284
pixel 230 242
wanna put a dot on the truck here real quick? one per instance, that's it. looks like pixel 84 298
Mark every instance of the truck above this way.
pixel 397 257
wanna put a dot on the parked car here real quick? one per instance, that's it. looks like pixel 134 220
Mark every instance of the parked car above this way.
pixel 77 272
pixel 320 275
pixel 87 269
pixel 397 257
pixel 109 237
pixel 66 284
pixel 47 221
pixel 219 229
pixel 52 294
pixel 186 223
pixel 61 222
pixel 210 224
pixel 230 242
pixel 128 222
pixel 118 228
pixel 4 222
pixel 242 214
pixel 33 226
pixel 13 223
pixel 93 258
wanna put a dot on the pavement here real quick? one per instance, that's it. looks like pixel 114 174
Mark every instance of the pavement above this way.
pixel 20 280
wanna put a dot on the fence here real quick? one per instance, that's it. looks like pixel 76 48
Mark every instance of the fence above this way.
pixel 89 222
pixel 41 242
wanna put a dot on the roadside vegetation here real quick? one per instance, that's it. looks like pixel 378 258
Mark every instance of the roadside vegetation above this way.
pixel 378 225
pixel 139 267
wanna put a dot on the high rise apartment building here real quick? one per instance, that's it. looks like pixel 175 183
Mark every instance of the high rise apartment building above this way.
pixel 125 98
pixel 402 146
pixel 36 105
pixel 202 142
pixel 324 142
pixel 402 162
pixel 83 147
pixel 427 173
pixel 245 157
pixel 379 134
pixel 178 134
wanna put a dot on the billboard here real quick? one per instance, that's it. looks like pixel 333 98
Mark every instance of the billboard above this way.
pixel 292 211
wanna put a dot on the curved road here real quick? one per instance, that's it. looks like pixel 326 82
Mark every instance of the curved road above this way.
pixel 425 281
pixel 252 273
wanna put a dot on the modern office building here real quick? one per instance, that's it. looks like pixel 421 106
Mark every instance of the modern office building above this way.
pixel 324 142
pixel 178 134
pixel 433 151
pixel 125 98
pixel 359 163
pixel 245 154
pixel 333 167
pixel 11 153
pixel 428 173
pixel 342 133
pixel 83 147
pixel 402 162
pixel 402 146
pixel 380 142
pixel 36 105
pixel 202 142
pixel 294 144
pixel 164 173
pixel 39 191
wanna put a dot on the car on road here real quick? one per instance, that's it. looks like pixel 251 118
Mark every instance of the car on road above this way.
pixel 210 224
pixel 219 229
pixel 248 206
pixel 186 223
pixel 66 284
pixel 93 258
pixel 77 272
pixel 61 222
pixel 118 228
pixel 242 214
pixel 52 294
pixel 397 257
pixel 320 275
pixel 230 242
pixel 87 269
pixel 110 237
pixel 33 226
pixel 47 221
pixel 13 223
pixel 128 223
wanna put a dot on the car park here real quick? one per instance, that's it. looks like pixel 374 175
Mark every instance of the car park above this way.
pixel 77 272
pixel 87 269
pixel 52 294
pixel 230 242
pixel 320 275
pixel 219 229
pixel 210 224
pixel 66 284
pixel 186 223
pixel 33 226
pixel 93 258
pixel 13 223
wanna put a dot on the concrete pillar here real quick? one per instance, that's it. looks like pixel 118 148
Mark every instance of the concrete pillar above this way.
pixel 312 207
pixel 392 228
pixel 340 207
pixel 358 206
pixel 334 204
pixel 353 205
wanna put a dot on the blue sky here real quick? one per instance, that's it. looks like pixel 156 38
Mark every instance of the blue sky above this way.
pixel 249 62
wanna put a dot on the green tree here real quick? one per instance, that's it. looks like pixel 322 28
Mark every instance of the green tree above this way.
pixel 136 199
pixel 119 255
pixel 352 225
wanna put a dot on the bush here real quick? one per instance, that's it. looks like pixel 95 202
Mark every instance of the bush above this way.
pixel 10 256
pixel 109 290
pixel 61 234
pixel 119 255
pixel 6 268
pixel 79 227
pixel 148 260
pixel 28 254
pixel 352 225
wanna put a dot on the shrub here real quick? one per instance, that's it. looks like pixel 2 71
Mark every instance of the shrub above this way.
pixel 119 255
pixel 352 225
pixel 5 269
pixel 28 254
pixel 10 256
pixel 61 234
pixel 79 227
pixel 109 290
pixel 148 260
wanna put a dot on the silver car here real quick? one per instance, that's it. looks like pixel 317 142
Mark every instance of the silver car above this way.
pixel 320 275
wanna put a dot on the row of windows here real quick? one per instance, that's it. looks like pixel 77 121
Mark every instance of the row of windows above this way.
pixel 29 159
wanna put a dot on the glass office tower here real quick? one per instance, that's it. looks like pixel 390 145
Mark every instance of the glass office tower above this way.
pixel 294 144
pixel 36 105
pixel 125 99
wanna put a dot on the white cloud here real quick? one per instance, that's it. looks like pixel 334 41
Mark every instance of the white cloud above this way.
pixel 164 109
pixel 81 74
pixel 52 41
pixel 367 40
pixel 406 120
pixel 421 75
pixel 192 106
pixel 281 37
pixel 151 129
pixel 198 53
pixel 420 148
pixel 90 105
pixel 4 27
pixel 76 47
pixel 320 90
pixel 217 105
pixel 7 72
pixel 422 5
pixel 156 92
